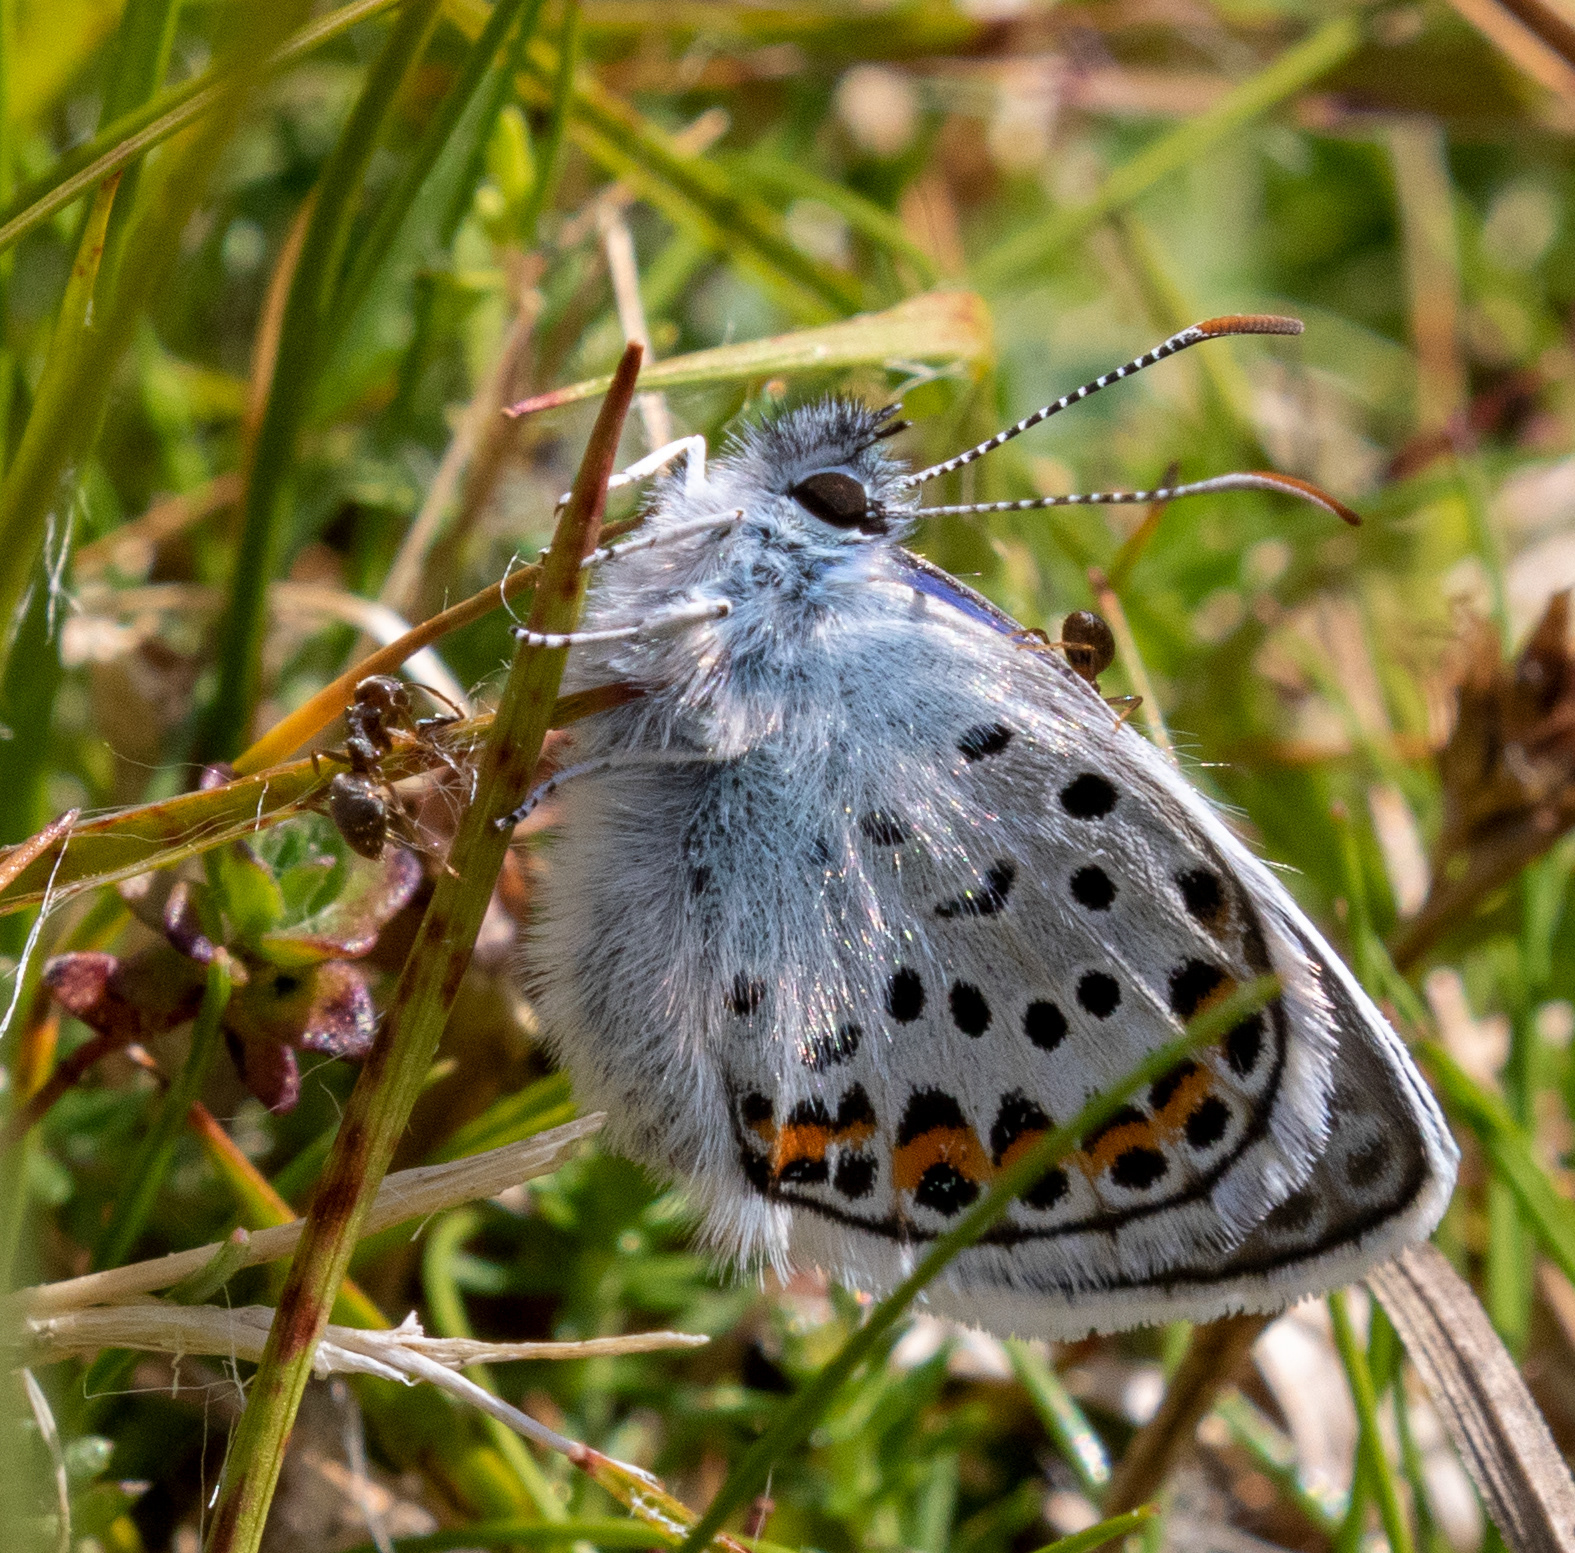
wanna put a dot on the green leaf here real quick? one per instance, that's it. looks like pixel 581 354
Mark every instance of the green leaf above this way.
pixel 304 336
pixel 249 895
pixel 1106 1531
pixel 940 326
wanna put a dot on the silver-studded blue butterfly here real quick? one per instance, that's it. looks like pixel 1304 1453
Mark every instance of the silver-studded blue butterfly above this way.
pixel 865 889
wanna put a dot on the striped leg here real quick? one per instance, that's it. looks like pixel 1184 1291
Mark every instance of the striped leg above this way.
pixel 658 625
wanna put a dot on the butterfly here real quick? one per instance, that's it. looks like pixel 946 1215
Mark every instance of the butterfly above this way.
pixel 862 890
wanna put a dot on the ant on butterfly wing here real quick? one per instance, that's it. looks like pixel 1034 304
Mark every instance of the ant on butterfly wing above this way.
pixel 1090 649
pixel 358 799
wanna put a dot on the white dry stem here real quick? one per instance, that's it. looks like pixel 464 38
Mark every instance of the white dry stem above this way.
pixel 408 1194
pixel 44 1417
pixel 622 269
pixel 405 1354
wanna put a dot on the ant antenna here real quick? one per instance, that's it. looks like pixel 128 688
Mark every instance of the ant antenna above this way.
pixel 1209 329
pixel 1259 481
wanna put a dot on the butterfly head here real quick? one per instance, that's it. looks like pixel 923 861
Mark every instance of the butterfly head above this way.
pixel 825 464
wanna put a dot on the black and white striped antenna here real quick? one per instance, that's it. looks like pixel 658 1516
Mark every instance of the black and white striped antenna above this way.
pixel 1258 480
pixel 1209 329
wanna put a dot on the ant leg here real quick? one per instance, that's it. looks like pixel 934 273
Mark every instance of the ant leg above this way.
pixel 657 625
pixel 691 448
pixel 539 794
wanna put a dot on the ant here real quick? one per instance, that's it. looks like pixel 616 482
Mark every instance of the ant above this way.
pixel 358 798
pixel 1090 648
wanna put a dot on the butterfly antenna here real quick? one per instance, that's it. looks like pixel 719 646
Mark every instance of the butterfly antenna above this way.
pixel 1209 329
pixel 1257 481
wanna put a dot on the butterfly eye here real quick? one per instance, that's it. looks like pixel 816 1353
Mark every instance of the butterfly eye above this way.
pixel 839 500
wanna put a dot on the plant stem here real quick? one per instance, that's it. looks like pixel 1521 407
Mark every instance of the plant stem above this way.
pixel 394 1072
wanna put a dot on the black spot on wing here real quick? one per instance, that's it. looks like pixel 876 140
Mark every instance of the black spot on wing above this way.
pixel 1044 1024
pixel 945 1189
pixel 1190 984
pixel 985 740
pixel 1099 994
pixel 1088 797
pixel 1244 1044
pixel 1017 1115
pixel 1202 894
pixel 1137 1169
pixel 1161 1090
pixel 855 1177
pixel 905 996
pixel 986 901
pixel 855 1110
pixel 926 1110
pixel 970 1011
pixel 1207 1123
pixel 1092 888
pixel 828 1051
pixel 744 996
pixel 885 829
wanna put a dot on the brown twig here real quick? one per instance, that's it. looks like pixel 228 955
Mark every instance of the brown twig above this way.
pixel 1212 1359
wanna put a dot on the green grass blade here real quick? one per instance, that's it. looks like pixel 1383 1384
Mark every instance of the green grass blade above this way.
pixel 133 133
pixel 549 160
pixel 1079 1443
pixel 303 338
pixel 1106 1531
pixel 1294 70
pixel 879 227
pixel 1375 1462
pixel 480 85
pixel 803 1411
pixel 696 195
pixel 446 1308
pixel 55 437
pixel 64 421
pixel 151 1164
pixel 1506 1145
pixel 940 326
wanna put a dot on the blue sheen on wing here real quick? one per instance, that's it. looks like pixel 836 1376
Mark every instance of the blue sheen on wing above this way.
pixel 930 579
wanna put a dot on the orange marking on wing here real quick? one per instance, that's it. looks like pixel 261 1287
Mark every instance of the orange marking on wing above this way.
pixel 958 1147
pixel 1019 1146
pixel 1193 1088
pixel 765 1129
pixel 857 1135
pixel 1114 1143
pixel 795 1143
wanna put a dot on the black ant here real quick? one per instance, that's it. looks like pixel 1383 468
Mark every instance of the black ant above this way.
pixel 358 798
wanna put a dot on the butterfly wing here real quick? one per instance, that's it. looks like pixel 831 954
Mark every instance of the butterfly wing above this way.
pixel 938 899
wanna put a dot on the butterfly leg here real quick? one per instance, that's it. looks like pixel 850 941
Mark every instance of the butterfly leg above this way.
pixel 692 450
pixel 718 523
pixel 539 794
pixel 658 625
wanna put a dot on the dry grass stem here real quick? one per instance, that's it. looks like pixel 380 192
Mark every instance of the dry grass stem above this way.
pixel 156 1327
pixel 407 1194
